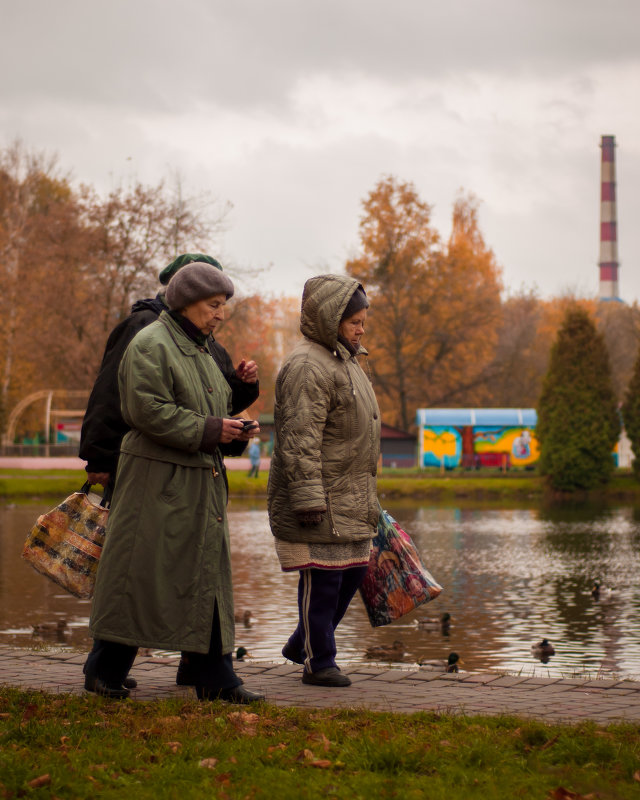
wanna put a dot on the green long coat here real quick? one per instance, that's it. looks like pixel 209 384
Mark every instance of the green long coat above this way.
pixel 166 558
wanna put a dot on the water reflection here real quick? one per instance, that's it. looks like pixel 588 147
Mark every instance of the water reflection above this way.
pixel 511 577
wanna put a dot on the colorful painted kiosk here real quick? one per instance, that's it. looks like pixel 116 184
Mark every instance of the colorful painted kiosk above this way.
pixel 477 437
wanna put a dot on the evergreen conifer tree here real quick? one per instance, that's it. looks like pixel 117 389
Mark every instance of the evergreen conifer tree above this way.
pixel 631 415
pixel 578 421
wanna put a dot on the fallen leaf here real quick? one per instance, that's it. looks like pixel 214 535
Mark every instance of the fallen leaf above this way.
pixel 42 780
pixel 233 760
pixel 174 746
pixel 321 764
pixel 246 717
pixel 281 746
pixel 320 737
pixel 550 743
pixel 208 763
pixel 29 711
pixel 224 778
pixel 636 776
pixel 64 739
pixel 566 794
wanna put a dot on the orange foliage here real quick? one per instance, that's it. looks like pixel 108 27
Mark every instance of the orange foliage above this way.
pixel 264 330
pixel 432 325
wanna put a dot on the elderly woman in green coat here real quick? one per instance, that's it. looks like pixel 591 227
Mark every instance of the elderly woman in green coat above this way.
pixel 164 579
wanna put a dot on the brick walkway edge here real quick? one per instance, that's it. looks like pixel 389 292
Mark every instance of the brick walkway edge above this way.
pixel 377 688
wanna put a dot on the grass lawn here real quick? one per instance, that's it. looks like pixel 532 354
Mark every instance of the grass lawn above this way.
pixel 85 747
pixel 28 485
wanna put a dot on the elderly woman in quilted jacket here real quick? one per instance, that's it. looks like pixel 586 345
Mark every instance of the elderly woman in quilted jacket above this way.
pixel 323 506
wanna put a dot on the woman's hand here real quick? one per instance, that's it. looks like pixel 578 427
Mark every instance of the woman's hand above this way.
pixel 247 371
pixel 233 429
pixel 101 478
pixel 310 518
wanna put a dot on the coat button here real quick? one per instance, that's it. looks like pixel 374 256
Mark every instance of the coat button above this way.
pixel 219 519
pixel 209 389
pixel 375 416
pixel 201 349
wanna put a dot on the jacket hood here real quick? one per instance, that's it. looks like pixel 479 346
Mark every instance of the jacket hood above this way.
pixel 324 300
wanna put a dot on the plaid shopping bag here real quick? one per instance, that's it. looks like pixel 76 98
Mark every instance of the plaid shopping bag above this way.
pixel 65 544
pixel 396 581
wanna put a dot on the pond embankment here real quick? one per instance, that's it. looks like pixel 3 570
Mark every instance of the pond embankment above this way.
pixel 393 485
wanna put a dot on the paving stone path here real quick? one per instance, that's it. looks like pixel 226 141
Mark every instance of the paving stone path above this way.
pixel 374 687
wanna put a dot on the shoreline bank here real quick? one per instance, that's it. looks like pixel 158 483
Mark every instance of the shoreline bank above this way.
pixel 23 481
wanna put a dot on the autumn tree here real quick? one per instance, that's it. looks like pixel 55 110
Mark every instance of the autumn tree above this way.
pixel 35 201
pixel 137 230
pixel 521 357
pixel 528 327
pixel 631 415
pixel 432 325
pixel 72 263
pixel 265 330
pixel 619 323
pixel 578 422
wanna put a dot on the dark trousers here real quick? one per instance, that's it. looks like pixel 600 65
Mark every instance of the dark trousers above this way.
pixel 323 598
pixel 214 671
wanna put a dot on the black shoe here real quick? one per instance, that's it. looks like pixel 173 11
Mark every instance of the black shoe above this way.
pixel 331 676
pixel 293 655
pixel 98 686
pixel 184 675
pixel 236 694
pixel 128 683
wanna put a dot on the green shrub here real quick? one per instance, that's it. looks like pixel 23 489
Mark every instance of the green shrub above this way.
pixel 578 422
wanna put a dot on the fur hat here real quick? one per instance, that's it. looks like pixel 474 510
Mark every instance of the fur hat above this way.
pixel 181 261
pixel 194 282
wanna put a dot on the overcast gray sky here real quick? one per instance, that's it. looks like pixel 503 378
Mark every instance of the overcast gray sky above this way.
pixel 292 110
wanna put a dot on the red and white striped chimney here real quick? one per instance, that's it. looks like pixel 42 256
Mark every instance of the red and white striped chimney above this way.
pixel 608 222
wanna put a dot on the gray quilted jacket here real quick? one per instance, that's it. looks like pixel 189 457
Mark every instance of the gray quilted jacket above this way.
pixel 327 424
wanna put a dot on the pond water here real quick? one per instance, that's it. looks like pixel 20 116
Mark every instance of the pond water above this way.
pixel 511 577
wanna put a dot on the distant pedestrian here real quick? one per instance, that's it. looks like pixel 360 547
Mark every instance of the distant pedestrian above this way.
pixel 254 458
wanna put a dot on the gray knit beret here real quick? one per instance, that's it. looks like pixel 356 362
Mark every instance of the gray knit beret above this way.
pixel 196 281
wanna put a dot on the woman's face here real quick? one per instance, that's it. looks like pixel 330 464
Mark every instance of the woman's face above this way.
pixel 206 314
pixel 352 328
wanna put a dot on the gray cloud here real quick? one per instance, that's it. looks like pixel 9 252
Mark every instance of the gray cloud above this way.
pixel 294 110
pixel 158 54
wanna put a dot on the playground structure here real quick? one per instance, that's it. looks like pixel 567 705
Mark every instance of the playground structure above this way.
pixel 55 420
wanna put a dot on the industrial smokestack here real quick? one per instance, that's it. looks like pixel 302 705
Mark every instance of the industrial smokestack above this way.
pixel 608 222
